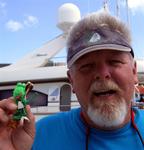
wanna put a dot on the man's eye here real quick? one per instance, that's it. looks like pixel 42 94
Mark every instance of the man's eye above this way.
pixel 86 67
pixel 116 62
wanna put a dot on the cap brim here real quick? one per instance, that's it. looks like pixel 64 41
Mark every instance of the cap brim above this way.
pixel 96 48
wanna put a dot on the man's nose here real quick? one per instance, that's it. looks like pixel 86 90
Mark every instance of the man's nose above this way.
pixel 102 72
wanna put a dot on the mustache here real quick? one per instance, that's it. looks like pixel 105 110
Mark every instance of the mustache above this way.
pixel 105 85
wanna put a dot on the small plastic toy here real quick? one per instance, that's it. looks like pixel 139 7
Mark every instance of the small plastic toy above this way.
pixel 20 92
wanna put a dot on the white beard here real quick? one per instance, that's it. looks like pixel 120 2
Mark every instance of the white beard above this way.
pixel 108 115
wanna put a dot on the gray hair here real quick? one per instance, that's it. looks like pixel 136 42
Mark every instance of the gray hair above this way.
pixel 97 31
pixel 96 20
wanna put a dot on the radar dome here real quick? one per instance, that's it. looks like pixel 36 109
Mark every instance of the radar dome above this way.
pixel 68 14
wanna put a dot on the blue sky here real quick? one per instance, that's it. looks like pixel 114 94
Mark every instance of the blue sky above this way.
pixel 27 24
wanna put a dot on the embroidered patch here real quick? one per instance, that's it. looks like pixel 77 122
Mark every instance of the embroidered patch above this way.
pixel 95 38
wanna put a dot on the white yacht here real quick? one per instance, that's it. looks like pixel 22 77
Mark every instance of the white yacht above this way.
pixel 52 92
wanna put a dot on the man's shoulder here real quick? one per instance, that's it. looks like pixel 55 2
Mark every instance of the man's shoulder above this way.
pixel 58 117
pixel 54 130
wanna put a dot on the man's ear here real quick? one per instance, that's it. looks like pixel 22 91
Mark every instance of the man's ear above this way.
pixel 70 79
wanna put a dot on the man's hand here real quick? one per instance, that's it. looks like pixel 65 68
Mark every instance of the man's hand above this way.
pixel 11 137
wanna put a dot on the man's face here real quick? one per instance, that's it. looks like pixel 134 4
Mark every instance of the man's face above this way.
pixel 104 84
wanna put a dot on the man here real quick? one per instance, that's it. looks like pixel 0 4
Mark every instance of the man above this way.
pixel 102 72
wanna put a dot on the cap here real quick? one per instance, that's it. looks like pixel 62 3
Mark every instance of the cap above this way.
pixel 98 31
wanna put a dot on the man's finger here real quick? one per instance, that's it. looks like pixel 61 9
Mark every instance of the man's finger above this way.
pixel 29 126
pixel 3 117
pixel 8 104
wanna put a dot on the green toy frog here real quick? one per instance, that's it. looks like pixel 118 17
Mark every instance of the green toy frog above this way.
pixel 19 94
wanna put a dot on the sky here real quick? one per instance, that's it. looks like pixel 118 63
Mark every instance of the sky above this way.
pixel 26 25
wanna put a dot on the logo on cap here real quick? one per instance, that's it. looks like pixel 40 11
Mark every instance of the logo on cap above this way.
pixel 95 38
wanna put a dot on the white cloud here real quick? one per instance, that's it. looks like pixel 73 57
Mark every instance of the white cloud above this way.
pixel 14 25
pixel 2 4
pixel 3 8
pixel 136 5
pixel 31 21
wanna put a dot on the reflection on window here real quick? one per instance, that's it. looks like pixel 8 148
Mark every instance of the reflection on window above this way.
pixel 54 94
pixel 35 98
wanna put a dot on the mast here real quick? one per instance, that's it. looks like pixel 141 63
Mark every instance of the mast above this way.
pixel 127 11
pixel 117 9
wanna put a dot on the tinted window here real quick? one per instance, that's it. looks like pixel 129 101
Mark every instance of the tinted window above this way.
pixel 35 98
pixel 5 94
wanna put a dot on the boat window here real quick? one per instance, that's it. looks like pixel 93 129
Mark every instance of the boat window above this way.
pixel 65 97
pixel 54 94
pixel 35 98
pixel 5 93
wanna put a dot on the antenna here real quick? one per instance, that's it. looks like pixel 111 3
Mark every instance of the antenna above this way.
pixel 105 5
pixel 68 14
